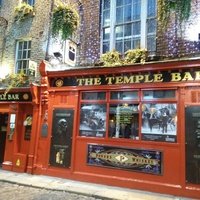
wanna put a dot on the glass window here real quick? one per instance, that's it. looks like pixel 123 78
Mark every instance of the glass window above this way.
pixel 30 2
pixel 127 19
pixel 159 122
pixel 23 52
pixel 125 115
pixel 124 95
pixel 123 121
pixel 158 94
pixel 93 95
pixel 93 120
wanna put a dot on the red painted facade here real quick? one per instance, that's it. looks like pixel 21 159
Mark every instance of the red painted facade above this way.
pixel 62 94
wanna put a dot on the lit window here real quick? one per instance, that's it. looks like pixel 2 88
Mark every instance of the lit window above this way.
pixel 128 24
pixel 22 56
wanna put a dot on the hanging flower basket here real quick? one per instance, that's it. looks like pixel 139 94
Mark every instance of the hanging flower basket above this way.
pixel 23 10
pixel 65 21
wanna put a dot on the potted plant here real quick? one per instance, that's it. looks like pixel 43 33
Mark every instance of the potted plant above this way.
pixel 135 56
pixel 65 20
pixel 23 10
pixel 15 80
pixel 111 58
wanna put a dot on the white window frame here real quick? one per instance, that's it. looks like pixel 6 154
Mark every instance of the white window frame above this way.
pixel 143 27
pixel 18 68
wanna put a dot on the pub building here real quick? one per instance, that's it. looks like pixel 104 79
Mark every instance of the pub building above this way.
pixel 18 119
pixel 135 126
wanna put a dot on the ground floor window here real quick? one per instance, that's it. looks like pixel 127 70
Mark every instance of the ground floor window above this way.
pixel 149 115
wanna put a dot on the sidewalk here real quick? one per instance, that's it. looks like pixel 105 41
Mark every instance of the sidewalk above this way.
pixel 88 189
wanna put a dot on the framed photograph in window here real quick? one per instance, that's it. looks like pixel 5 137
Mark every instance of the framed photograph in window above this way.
pixel 159 122
pixel 93 120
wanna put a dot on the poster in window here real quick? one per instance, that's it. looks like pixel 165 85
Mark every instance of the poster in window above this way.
pixel 61 141
pixel 93 120
pixel 159 122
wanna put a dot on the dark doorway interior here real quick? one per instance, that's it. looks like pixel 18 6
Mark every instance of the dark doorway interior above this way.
pixel 3 129
pixel 192 127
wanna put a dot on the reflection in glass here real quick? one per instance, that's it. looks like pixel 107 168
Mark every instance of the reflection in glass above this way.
pixel 124 95
pixel 93 95
pixel 123 121
pixel 159 94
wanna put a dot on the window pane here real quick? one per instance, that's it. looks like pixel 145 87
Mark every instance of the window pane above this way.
pixel 159 94
pixel 127 95
pixel 127 45
pixel 151 8
pixel 25 45
pixel 136 9
pixel 106 4
pixel 136 43
pixel 127 13
pixel 93 95
pixel 136 28
pixel 127 30
pixel 20 45
pixel 93 120
pixel 123 121
pixel 119 15
pixel 29 44
pixel 106 18
pixel 24 54
pixel 106 47
pixel 151 44
pixel 120 2
pixel 119 46
pixel 106 33
pixel 19 56
pixel 119 31
pixel 151 26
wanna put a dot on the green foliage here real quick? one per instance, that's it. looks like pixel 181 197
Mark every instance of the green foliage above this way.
pixel 22 11
pixel 65 20
pixel 15 80
pixel 135 56
pixel 181 8
pixel 111 58
pixel 114 58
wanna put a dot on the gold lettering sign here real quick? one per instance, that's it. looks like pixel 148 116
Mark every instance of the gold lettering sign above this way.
pixel 140 78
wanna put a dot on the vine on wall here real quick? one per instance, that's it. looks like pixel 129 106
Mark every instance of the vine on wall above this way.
pixel 181 9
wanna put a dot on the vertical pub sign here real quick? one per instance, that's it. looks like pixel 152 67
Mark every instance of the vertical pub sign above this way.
pixel 61 141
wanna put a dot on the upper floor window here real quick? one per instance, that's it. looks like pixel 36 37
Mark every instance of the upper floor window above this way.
pixel 128 24
pixel 30 2
pixel 23 52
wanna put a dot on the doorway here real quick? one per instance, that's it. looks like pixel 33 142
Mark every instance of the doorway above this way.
pixel 192 128
pixel 3 133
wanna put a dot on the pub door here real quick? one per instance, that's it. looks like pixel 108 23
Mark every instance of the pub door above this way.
pixel 192 127
pixel 3 129
pixel 61 140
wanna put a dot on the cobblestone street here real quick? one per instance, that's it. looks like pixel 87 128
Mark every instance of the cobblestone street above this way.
pixel 9 191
